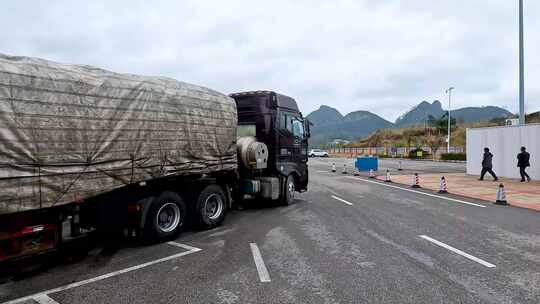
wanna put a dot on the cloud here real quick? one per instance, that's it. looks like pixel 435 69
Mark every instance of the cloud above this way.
pixel 381 56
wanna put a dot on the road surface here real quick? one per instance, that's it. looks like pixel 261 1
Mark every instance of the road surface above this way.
pixel 347 240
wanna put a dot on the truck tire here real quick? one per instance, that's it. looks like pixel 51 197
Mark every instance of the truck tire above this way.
pixel 166 217
pixel 287 191
pixel 211 207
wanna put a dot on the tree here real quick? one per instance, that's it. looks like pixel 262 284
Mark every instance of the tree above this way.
pixel 442 124
pixel 434 143
pixel 432 121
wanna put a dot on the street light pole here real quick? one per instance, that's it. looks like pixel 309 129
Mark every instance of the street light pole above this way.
pixel 449 92
pixel 521 68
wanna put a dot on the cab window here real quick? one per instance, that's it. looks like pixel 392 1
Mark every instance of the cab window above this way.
pixel 298 128
pixel 285 122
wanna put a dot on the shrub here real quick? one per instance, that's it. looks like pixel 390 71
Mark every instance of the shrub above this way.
pixel 454 156
pixel 413 154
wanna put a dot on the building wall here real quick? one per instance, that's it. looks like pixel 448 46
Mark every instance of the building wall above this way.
pixel 504 143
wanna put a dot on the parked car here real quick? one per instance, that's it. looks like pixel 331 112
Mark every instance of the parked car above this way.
pixel 317 153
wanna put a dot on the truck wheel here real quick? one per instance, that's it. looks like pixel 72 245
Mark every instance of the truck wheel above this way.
pixel 211 207
pixel 165 218
pixel 287 193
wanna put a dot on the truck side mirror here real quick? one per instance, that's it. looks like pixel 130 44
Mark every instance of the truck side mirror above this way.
pixel 307 123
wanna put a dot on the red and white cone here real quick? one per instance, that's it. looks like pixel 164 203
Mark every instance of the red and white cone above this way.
pixel 387 179
pixel 416 181
pixel 371 173
pixel 501 196
pixel 442 186
pixel 333 167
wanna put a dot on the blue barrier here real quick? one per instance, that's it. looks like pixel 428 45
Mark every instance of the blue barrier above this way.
pixel 367 163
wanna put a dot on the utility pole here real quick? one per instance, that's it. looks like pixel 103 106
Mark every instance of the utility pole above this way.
pixel 449 92
pixel 521 68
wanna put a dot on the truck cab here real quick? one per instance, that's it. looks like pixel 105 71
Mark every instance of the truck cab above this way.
pixel 275 120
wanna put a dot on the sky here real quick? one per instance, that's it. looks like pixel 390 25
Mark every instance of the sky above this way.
pixel 383 56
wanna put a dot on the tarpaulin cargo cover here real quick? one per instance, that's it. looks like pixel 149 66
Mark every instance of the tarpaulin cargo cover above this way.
pixel 69 132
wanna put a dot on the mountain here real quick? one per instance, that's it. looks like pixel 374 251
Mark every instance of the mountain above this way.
pixel 325 115
pixel 329 124
pixel 420 113
pixel 476 114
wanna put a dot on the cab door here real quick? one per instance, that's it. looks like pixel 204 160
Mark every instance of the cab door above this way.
pixel 300 141
pixel 292 146
pixel 286 141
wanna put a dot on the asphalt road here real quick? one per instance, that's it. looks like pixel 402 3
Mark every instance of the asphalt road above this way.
pixel 347 240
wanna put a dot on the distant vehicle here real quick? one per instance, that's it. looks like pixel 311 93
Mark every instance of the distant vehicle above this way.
pixel 512 122
pixel 317 153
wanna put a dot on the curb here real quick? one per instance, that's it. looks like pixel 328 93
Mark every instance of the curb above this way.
pixel 473 198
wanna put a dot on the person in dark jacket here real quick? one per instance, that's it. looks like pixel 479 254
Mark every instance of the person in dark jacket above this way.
pixel 523 163
pixel 487 165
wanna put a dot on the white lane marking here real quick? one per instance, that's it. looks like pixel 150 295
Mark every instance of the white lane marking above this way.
pixel 455 250
pixel 186 247
pixel 109 275
pixel 321 171
pixel 417 192
pixel 259 263
pixel 44 299
pixel 341 200
pixel 222 232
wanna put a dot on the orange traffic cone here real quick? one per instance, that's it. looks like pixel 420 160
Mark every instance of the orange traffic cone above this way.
pixel 501 196
pixel 387 179
pixel 416 181
pixel 442 186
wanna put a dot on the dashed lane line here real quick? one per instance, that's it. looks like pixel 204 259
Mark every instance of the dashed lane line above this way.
pixel 44 299
pixel 455 250
pixel 264 276
pixel 342 200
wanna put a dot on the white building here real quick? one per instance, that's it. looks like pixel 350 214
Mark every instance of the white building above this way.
pixel 505 143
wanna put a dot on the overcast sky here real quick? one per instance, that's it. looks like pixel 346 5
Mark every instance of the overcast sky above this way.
pixel 383 56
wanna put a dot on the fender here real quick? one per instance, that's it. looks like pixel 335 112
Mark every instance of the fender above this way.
pixel 146 203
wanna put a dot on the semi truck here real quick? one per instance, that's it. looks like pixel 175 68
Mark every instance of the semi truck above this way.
pixel 86 151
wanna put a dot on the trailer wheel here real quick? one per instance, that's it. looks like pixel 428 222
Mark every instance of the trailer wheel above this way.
pixel 166 217
pixel 287 192
pixel 211 207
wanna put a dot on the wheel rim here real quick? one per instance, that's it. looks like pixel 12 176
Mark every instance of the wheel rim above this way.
pixel 290 188
pixel 168 217
pixel 213 206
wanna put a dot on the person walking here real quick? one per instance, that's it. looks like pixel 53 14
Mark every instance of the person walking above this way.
pixel 487 165
pixel 523 163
